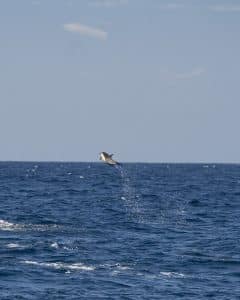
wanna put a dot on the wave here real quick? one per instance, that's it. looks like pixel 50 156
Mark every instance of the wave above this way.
pixel 61 265
pixel 15 246
pixel 116 268
pixel 4 225
pixel 8 226
pixel 54 245
pixel 169 275
pixel 172 274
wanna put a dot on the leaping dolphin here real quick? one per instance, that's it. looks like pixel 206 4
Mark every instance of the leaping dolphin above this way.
pixel 107 158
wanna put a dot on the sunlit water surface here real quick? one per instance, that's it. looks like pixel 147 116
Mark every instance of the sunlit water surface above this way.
pixel 138 231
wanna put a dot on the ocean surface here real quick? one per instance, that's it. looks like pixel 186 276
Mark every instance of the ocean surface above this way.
pixel 138 231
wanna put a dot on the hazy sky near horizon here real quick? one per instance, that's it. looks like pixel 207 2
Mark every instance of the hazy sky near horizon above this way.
pixel 148 80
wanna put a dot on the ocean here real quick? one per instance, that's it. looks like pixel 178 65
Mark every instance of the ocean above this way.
pixel 138 231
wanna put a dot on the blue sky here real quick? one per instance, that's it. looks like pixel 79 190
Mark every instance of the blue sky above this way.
pixel 148 80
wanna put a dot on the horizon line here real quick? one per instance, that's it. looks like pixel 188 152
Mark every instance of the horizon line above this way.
pixel 122 162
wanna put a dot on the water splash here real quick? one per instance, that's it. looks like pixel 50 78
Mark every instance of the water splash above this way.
pixel 130 197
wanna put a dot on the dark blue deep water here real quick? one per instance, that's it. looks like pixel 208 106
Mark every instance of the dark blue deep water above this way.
pixel 140 231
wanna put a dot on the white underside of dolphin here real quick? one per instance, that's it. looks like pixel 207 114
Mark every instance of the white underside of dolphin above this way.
pixel 107 158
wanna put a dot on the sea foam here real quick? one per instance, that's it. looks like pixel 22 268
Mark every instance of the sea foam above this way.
pixel 61 265
pixel 5 225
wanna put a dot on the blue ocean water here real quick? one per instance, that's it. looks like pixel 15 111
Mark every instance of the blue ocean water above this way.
pixel 139 231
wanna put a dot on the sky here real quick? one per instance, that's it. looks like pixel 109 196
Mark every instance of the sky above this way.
pixel 148 80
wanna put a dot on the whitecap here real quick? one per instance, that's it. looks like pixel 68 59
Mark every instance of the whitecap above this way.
pixel 70 248
pixel 55 245
pixel 8 226
pixel 4 225
pixel 15 246
pixel 172 274
pixel 122 268
pixel 116 268
pixel 161 274
pixel 61 266
pixel 41 227
pixel 80 266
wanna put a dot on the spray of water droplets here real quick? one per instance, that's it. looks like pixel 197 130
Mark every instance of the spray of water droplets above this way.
pixel 130 198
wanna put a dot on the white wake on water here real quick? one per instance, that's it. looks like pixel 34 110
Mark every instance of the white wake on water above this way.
pixel 8 226
pixel 15 246
pixel 61 265
pixel 172 274
pixel 162 275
